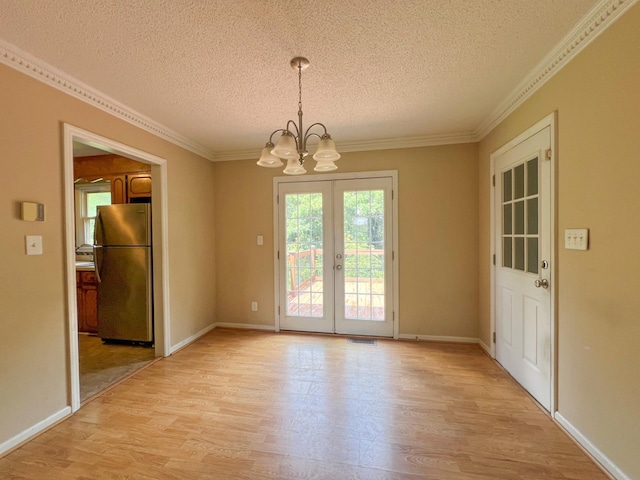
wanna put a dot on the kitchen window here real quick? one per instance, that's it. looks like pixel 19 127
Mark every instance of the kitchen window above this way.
pixel 88 197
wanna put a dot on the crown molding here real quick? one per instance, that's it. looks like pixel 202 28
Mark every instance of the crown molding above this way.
pixel 601 16
pixel 366 145
pixel 408 142
pixel 22 61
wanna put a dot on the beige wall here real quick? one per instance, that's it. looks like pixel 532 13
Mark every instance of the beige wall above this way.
pixel 34 382
pixel 438 237
pixel 597 97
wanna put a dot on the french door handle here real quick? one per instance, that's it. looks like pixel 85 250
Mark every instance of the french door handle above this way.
pixel 338 267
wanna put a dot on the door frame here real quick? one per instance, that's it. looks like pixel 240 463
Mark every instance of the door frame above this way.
pixel 393 174
pixel 160 235
pixel 548 121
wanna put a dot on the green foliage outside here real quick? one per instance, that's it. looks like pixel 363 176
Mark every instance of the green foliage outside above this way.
pixel 94 200
pixel 363 231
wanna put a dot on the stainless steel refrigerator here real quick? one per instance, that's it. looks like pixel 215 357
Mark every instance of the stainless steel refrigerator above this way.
pixel 122 255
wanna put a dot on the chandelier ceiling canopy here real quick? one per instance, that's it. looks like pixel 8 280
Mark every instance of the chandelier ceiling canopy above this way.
pixel 292 143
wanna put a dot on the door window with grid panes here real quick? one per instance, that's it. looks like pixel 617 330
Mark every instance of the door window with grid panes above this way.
pixel 520 219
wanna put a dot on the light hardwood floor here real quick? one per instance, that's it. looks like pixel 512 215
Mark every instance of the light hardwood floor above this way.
pixel 256 405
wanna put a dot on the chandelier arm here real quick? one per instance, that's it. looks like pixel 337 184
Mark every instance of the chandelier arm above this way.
pixel 297 134
pixel 312 134
pixel 307 134
pixel 276 131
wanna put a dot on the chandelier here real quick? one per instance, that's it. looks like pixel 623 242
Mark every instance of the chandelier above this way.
pixel 292 144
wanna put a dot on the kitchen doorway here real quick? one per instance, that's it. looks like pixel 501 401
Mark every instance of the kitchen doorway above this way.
pixel 100 365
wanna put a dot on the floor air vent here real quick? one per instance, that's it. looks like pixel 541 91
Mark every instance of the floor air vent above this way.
pixel 364 341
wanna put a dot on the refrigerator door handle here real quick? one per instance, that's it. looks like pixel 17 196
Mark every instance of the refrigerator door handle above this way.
pixel 97 230
pixel 97 259
pixel 97 244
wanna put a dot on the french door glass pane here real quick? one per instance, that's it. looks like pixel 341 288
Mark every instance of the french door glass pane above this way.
pixel 364 255
pixel 303 226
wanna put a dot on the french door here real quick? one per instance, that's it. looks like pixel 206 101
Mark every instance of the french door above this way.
pixel 335 256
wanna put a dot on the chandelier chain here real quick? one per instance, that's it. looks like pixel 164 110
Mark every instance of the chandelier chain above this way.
pixel 300 87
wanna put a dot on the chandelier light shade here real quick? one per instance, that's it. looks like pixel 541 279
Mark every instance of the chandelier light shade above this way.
pixel 294 167
pixel 286 147
pixel 326 150
pixel 292 144
pixel 325 166
pixel 267 159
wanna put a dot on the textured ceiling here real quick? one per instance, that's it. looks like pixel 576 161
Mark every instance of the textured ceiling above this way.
pixel 218 72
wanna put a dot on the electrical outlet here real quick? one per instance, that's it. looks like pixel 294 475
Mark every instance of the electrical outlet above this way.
pixel 576 238
pixel 254 306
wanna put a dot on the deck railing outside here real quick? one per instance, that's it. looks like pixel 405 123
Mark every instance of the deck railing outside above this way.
pixel 305 266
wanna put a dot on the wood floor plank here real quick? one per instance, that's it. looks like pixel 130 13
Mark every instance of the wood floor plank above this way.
pixel 259 405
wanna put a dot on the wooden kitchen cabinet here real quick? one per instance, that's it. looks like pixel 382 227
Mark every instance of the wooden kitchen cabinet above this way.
pixel 119 189
pixel 139 187
pixel 87 293
pixel 130 180
pixel 130 188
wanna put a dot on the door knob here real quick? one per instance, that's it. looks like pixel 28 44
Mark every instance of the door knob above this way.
pixel 541 283
pixel 338 267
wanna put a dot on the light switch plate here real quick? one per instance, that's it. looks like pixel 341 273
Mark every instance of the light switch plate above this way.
pixel 33 244
pixel 576 238
pixel 260 240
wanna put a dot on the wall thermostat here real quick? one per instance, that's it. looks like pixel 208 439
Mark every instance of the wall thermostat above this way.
pixel 32 212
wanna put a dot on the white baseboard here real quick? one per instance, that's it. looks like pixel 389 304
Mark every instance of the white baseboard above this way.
pixel 611 467
pixel 34 430
pixel 438 338
pixel 485 347
pixel 247 326
pixel 191 339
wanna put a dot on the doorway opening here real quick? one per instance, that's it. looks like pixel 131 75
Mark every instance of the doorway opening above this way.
pixel 335 254
pixel 102 175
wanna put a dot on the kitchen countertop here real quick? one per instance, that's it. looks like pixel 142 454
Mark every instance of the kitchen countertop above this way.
pixel 85 267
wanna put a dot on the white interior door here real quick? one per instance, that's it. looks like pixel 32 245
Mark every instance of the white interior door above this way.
pixel 523 253
pixel 335 253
